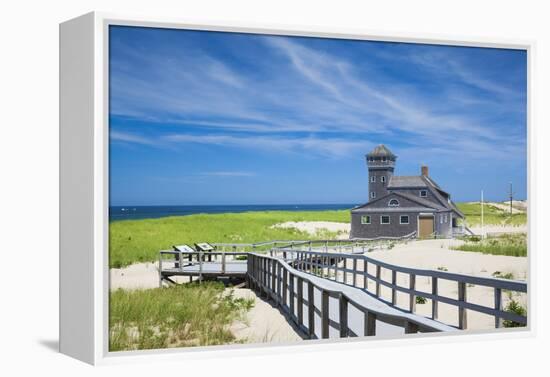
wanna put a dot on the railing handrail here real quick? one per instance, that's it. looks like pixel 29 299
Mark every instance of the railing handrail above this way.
pixel 298 242
pixel 514 285
pixel 381 315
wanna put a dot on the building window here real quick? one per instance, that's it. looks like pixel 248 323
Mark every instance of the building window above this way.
pixel 365 220
pixel 404 219
pixel 441 219
pixel 373 178
pixel 384 219
pixel 382 179
pixel 393 203
pixel 445 218
pixel 372 195
pixel 423 193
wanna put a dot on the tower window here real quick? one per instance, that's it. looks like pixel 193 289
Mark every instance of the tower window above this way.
pixel 373 178
pixel 404 219
pixel 393 203
pixel 365 220
pixel 423 193
pixel 383 179
pixel 372 194
pixel 384 219
pixel 383 159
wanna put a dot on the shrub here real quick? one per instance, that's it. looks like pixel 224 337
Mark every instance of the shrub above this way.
pixel 420 300
pixel 500 275
pixel 514 307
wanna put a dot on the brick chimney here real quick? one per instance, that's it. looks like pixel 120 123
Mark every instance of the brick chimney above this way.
pixel 424 170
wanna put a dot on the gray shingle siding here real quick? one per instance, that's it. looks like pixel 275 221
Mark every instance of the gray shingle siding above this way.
pixel 406 189
pixel 375 229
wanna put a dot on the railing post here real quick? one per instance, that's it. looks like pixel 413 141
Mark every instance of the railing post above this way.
pixel 273 276
pixel 393 290
pixel 412 296
pixel 300 301
pixel 279 282
pixel 378 276
pixel 365 273
pixel 291 296
pixel 435 303
pixel 223 262
pixel 200 267
pixel 370 324
pixel 344 331
pixel 354 272
pixel 345 272
pixel 160 270
pixel 324 315
pixel 498 306
pixel 310 310
pixel 462 314
pixel 285 285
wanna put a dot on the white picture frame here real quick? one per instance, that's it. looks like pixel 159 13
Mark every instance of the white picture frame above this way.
pixel 84 274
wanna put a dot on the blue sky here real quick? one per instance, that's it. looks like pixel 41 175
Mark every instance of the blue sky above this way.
pixel 227 118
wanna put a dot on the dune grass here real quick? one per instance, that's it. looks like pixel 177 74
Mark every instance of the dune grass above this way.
pixel 491 215
pixel 134 241
pixel 180 316
pixel 512 244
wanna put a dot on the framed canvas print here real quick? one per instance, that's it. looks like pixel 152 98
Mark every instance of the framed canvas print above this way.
pixel 226 187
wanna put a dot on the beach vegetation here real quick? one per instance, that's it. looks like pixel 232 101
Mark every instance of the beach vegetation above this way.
pixel 510 244
pixel 514 307
pixel 420 300
pixel 133 241
pixel 185 315
pixel 491 215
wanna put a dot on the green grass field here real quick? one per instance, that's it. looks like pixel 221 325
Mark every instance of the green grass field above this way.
pixel 134 241
pixel 507 244
pixel 182 316
pixel 491 215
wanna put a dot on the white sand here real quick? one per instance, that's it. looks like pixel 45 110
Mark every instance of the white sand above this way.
pixel 434 254
pixel 316 227
pixel 505 207
pixel 500 229
pixel 138 276
pixel 263 323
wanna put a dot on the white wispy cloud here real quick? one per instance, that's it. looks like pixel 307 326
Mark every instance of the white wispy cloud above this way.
pixel 307 95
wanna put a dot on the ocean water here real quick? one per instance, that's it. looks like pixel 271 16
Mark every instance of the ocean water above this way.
pixel 117 213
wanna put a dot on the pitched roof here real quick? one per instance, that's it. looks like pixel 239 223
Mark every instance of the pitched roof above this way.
pixel 416 181
pixel 423 204
pixel 382 151
pixel 403 181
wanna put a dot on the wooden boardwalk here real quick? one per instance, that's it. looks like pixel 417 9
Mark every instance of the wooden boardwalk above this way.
pixel 326 294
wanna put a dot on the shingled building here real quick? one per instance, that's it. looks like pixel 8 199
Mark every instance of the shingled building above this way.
pixel 401 205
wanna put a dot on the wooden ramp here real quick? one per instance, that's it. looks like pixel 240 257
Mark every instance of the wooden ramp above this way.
pixel 326 293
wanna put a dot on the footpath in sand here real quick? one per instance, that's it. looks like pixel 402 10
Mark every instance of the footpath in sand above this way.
pixel 438 255
pixel 263 323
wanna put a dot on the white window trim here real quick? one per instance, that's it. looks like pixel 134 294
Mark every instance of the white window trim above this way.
pixel 389 220
pixel 393 205
pixel 423 191
pixel 373 179
pixel 383 179
pixel 408 220
pixel 366 222
pixel 372 195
